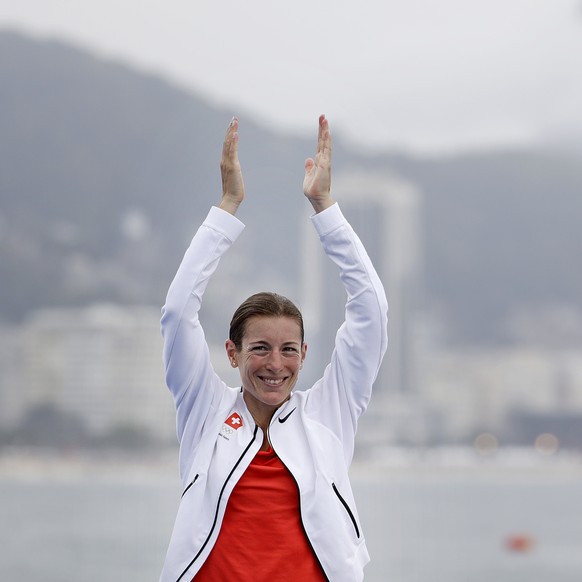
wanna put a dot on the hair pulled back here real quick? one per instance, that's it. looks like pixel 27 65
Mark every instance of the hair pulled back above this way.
pixel 264 304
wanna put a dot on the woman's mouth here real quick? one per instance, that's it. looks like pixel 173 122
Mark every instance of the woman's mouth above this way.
pixel 272 381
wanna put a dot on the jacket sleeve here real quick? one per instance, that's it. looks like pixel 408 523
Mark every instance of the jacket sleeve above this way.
pixel 190 377
pixel 342 394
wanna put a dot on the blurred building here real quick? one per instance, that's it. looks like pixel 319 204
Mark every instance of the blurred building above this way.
pixel 101 364
pixel 514 393
pixel 12 403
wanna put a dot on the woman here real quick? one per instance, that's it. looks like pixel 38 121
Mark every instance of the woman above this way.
pixel 265 469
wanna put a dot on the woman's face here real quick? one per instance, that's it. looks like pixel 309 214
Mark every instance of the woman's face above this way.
pixel 269 360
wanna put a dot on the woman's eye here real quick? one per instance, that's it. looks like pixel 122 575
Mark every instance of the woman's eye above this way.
pixel 259 348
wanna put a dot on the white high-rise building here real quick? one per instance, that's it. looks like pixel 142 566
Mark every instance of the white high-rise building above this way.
pixel 12 401
pixel 101 363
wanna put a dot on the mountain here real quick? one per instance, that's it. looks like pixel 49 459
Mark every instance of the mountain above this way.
pixel 502 239
pixel 106 171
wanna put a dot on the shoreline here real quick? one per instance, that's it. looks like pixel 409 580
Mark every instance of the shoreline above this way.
pixel 162 465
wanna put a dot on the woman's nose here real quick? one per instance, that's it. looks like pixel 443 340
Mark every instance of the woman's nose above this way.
pixel 275 360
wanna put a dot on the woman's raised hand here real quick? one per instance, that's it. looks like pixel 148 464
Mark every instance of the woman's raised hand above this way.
pixel 317 182
pixel 233 189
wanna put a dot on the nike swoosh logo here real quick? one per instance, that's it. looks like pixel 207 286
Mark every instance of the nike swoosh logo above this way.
pixel 282 419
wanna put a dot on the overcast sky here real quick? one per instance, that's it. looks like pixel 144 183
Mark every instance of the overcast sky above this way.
pixel 416 74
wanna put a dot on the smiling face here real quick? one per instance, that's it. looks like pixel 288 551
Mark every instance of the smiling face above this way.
pixel 269 361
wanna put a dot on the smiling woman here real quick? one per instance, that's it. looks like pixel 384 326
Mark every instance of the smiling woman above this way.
pixel 266 493
pixel 269 361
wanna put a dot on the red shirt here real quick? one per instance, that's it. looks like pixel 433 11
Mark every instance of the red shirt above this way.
pixel 262 537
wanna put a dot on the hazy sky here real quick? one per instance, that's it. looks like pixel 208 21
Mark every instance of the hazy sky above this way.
pixel 423 74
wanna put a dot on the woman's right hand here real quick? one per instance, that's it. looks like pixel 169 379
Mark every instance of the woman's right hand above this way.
pixel 233 189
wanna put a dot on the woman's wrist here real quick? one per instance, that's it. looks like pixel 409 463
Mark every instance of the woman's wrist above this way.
pixel 321 204
pixel 229 205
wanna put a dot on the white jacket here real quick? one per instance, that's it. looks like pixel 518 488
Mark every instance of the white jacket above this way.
pixel 312 433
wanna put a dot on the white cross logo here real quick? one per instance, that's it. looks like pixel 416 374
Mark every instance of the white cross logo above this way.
pixel 235 420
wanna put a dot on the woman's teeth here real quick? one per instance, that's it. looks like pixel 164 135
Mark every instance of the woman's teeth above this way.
pixel 272 381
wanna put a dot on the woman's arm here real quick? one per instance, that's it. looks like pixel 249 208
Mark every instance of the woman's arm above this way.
pixel 346 387
pixel 189 373
pixel 343 393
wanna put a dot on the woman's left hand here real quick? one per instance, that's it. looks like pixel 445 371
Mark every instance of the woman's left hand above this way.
pixel 233 189
pixel 317 181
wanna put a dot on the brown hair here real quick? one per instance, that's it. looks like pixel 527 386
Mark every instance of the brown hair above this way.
pixel 264 304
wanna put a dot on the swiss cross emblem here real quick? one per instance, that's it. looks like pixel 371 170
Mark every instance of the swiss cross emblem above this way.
pixel 234 421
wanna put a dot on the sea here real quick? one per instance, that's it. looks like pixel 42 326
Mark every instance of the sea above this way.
pixel 72 518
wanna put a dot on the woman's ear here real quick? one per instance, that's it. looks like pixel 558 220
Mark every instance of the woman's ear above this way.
pixel 231 352
pixel 303 353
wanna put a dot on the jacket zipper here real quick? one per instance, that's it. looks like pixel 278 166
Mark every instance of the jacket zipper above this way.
pixel 218 504
pixel 347 508
pixel 190 484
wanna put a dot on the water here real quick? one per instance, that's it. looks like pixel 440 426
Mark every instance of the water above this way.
pixel 455 528
pixel 421 526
